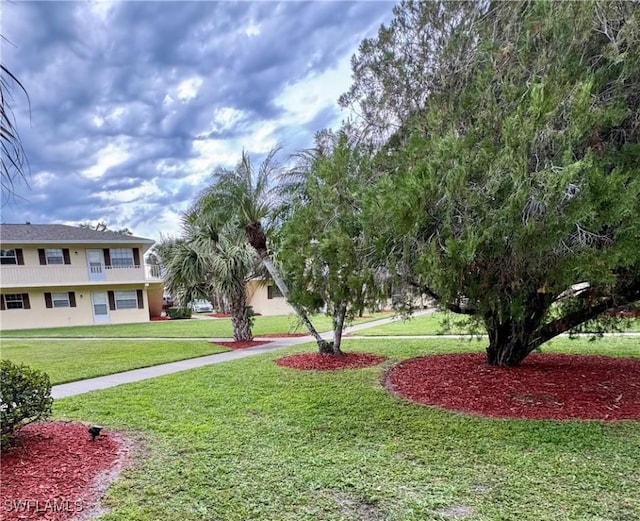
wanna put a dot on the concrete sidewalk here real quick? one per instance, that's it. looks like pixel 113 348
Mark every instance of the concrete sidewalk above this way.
pixel 137 375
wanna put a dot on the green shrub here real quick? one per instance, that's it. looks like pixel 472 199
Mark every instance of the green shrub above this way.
pixel 251 314
pixel 25 396
pixel 178 313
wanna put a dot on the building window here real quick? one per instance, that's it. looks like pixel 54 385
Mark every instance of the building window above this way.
pixel 122 258
pixel 126 299
pixel 54 256
pixel 273 291
pixel 8 257
pixel 15 301
pixel 60 300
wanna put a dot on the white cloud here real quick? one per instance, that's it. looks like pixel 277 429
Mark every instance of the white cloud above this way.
pixel 211 153
pixel 110 156
pixel 167 223
pixel 224 118
pixel 253 29
pixel 145 189
pixel 42 179
pixel 102 8
pixel 305 99
pixel 188 89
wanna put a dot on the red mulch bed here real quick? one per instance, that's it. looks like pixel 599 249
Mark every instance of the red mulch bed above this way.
pixel 322 362
pixel 54 471
pixel 242 345
pixel 283 335
pixel 545 386
pixel 227 315
pixel 156 319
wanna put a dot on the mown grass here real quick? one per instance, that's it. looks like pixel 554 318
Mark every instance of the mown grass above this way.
pixel 442 323
pixel 189 328
pixel 249 440
pixel 437 323
pixel 71 360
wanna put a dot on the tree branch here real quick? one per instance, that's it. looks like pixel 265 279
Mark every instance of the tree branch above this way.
pixel 625 295
pixel 454 308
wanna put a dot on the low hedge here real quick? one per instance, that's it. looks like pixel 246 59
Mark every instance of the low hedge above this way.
pixel 177 313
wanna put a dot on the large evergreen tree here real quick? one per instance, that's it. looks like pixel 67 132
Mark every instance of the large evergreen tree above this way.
pixel 520 180
pixel 324 251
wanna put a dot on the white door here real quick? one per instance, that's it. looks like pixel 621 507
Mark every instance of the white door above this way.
pixel 95 259
pixel 100 307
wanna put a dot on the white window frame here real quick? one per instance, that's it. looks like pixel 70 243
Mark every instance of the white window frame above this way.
pixel 4 256
pixel 124 299
pixel 54 255
pixel 122 258
pixel 60 300
pixel 15 298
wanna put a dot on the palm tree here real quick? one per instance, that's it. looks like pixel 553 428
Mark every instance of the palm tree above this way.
pixel 13 160
pixel 206 261
pixel 186 272
pixel 251 199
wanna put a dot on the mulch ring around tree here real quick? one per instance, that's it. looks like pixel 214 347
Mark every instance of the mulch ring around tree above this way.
pixel 54 471
pixel 545 386
pixel 326 362
pixel 241 345
pixel 226 315
pixel 283 335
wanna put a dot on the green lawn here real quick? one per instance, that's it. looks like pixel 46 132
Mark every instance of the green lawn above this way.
pixel 70 360
pixel 437 323
pixel 190 328
pixel 440 323
pixel 249 440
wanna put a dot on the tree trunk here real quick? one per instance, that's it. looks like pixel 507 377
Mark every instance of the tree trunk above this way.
pixel 338 327
pixel 240 319
pixel 257 240
pixel 511 338
pixel 508 344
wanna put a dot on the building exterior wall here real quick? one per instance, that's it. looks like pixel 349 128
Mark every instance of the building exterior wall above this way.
pixel 40 316
pixel 154 296
pixel 258 296
pixel 29 276
pixel 32 273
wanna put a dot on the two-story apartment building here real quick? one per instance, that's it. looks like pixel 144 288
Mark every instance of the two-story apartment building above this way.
pixel 53 275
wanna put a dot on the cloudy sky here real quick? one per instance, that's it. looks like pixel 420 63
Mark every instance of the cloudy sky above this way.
pixel 133 104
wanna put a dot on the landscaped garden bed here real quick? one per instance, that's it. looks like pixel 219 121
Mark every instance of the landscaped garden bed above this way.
pixel 546 386
pixel 238 344
pixel 326 362
pixel 284 335
pixel 54 471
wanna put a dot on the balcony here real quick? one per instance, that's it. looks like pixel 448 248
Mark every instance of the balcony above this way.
pixel 26 276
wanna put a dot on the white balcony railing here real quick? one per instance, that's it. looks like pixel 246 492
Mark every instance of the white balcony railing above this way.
pixel 30 276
